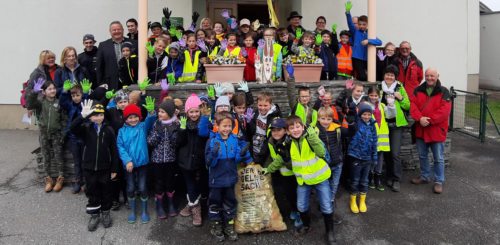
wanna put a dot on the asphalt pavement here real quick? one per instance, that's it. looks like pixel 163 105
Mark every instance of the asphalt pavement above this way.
pixel 468 211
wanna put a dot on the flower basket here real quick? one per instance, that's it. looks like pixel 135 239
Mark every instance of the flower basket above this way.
pixel 306 73
pixel 224 73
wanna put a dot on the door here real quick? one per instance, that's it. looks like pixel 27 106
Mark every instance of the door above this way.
pixel 215 9
pixel 250 9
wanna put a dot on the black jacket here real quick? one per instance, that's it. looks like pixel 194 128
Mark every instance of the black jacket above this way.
pixel 100 151
pixel 114 118
pixel 263 154
pixel 155 70
pixel 128 69
pixel 107 64
pixel 191 148
pixel 88 59
pixel 333 143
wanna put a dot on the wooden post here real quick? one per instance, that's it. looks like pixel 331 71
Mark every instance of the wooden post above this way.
pixel 143 38
pixel 372 30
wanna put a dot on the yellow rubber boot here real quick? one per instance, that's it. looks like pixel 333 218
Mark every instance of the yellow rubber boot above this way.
pixel 354 205
pixel 362 203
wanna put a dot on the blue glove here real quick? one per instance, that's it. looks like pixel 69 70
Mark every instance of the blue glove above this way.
pixel 290 70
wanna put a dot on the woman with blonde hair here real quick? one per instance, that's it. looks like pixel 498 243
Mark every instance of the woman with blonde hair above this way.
pixel 206 24
pixel 70 69
pixel 45 70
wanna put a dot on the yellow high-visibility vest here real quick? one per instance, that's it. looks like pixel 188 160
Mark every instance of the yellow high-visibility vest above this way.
pixel 190 68
pixel 307 167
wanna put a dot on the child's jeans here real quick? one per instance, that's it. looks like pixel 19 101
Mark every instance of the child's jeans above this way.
pixel 324 193
pixel 335 179
pixel 378 166
pixel 359 175
pixel 76 147
pixel 98 190
pixel 222 204
pixel 136 182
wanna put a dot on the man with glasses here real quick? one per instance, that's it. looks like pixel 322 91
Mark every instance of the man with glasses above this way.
pixel 88 58
pixel 410 68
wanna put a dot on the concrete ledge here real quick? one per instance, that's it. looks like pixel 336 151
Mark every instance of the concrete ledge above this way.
pixel 11 116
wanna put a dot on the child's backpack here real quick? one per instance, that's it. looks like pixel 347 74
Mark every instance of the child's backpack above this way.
pixel 23 94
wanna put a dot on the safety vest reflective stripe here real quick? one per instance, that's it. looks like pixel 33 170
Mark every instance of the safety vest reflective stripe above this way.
pixel 190 68
pixel 283 170
pixel 235 52
pixel 214 51
pixel 382 131
pixel 306 166
pixel 312 176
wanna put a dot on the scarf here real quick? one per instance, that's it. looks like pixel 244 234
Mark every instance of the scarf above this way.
pixel 389 90
pixel 169 121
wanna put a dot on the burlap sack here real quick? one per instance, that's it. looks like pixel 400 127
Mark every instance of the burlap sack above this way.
pixel 257 208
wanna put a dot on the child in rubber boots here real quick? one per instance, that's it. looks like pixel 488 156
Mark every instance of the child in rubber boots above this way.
pixel 51 123
pixel 363 152
pixel 312 172
pixel 133 149
pixel 100 161
pixel 223 153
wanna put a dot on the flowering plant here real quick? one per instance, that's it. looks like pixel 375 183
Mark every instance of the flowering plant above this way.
pixel 223 60
pixel 307 59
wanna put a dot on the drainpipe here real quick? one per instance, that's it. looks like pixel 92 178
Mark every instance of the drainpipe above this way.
pixel 372 30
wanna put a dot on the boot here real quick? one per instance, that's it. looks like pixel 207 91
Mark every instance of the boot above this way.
pixel 330 235
pixel 172 210
pixel 131 217
pixel 216 231
pixel 353 204
pixel 77 187
pixel 362 203
pixel 196 211
pixel 371 180
pixel 160 212
pixel 59 184
pixel 378 182
pixel 144 211
pixel 229 231
pixel 93 222
pixel 186 211
pixel 49 184
pixel 106 219
pixel 295 216
pixel 306 223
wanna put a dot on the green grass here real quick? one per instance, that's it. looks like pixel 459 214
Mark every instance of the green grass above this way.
pixel 473 110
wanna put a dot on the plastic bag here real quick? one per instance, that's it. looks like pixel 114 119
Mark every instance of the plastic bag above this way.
pixel 257 208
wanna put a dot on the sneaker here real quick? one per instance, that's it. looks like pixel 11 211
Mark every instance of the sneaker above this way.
pixel 380 187
pixel 216 231
pixel 438 188
pixel 395 186
pixel 298 222
pixel 229 231
pixel 389 183
pixel 371 183
pixel 115 206
pixel 419 181
pixel 93 222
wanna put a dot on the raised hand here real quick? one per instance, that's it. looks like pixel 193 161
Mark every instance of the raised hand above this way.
pixel 205 110
pixel 67 85
pixel 261 43
pixel 164 84
pixel 173 31
pixel 150 104
pixel 223 44
pixel 290 70
pixel 178 35
pixel 219 90
pixel 225 14
pixel 318 39
pixel 201 44
pixel 348 6
pixel 234 23
pixel 87 108
pixel 321 91
pixel 211 92
pixel 167 13
pixel 299 33
pixel 171 79
pixel 37 87
pixel 243 86
pixel 334 28
pixel 150 48
pixel 311 131
pixel 244 52
pixel 86 85
pixel 195 16
pixel 182 43
pixel 110 94
pixel 249 114
pixel 183 122
pixel 144 84
pixel 381 56
pixel 284 51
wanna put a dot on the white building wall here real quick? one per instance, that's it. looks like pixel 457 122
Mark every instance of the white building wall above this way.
pixel 490 52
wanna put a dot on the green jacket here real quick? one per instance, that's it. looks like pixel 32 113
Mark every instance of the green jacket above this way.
pixel 50 116
pixel 401 105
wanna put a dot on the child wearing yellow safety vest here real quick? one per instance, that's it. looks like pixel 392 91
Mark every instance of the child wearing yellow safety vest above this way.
pixel 229 46
pixel 375 177
pixel 303 109
pixel 307 154
pixel 193 68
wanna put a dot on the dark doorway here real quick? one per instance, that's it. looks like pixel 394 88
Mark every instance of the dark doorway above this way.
pixel 253 12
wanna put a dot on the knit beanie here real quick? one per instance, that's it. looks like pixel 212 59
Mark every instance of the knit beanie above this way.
pixel 223 100
pixel 168 106
pixel 120 96
pixel 192 102
pixel 364 107
pixel 228 88
pixel 175 46
pixel 132 109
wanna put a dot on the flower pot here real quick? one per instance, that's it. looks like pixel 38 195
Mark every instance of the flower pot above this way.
pixel 224 73
pixel 305 73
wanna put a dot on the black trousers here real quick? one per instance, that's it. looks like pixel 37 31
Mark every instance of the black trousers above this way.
pixel 164 174
pixel 99 190
pixel 285 192
pixel 360 67
pixel 119 184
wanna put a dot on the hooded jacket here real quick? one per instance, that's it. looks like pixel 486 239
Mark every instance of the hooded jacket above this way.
pixel 191 147
pixel 163 138
pixel 88 59
pixel 64 73
pixel 363 145
pixel 358 50
pixel 132 142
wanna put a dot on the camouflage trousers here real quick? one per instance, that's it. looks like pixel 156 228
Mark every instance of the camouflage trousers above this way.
pixel 51 144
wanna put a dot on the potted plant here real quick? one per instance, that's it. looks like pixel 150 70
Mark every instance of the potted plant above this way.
pixel 225 69
pixel 307 68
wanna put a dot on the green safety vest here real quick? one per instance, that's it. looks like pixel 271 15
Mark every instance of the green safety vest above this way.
pixel 301 112
pixel 283 170
pixel 382 131
pixel 235 52
pixel 307 167
pixel 190 68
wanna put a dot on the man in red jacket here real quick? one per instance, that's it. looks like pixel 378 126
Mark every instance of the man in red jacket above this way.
pixel 410 68
pixel 430 107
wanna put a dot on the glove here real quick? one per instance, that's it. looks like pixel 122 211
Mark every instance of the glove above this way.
pixel 243 86
pixel 284 51
pixel 211 92
pixel 150 104
pixel 319 39
pixel 334 28
pixel 164 84
pixel 219 90
pixel 171 79
pixel 110 94
pixel 167 13
pixel 178 35
pixel 205 110
pixel 223 44
pixel 173 31
pixel 234 23
pixel 150 48
pixel 195 16
pixel 87 108
pixel 37 87
pixel 261 43
pixel 67 85
pixel 86 86
pixel 349 84
pixel 249 115
pixel 149 25
pixel 183 122
pixel 265 171
pixel 201 44
pixel 299 33
pixel 311 131
pixel 348 6
pixel 182 43
pixel 290 70
pixel 380 55
pixel 244 52
pixel 144 84
pixel 225 14
pixel 321 91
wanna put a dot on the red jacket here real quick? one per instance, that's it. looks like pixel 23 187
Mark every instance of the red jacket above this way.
pixel 412 76
pixel 437 107
pixel 249 72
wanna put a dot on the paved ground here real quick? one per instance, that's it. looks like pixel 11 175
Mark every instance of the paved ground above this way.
pixel 468 212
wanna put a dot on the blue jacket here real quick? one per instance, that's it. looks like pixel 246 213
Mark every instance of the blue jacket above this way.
pixel 132 142
pixel 72 109
pixel 65 73
pixel 175 66
pixel 363 145
pixel 222 163
pixel 358 50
